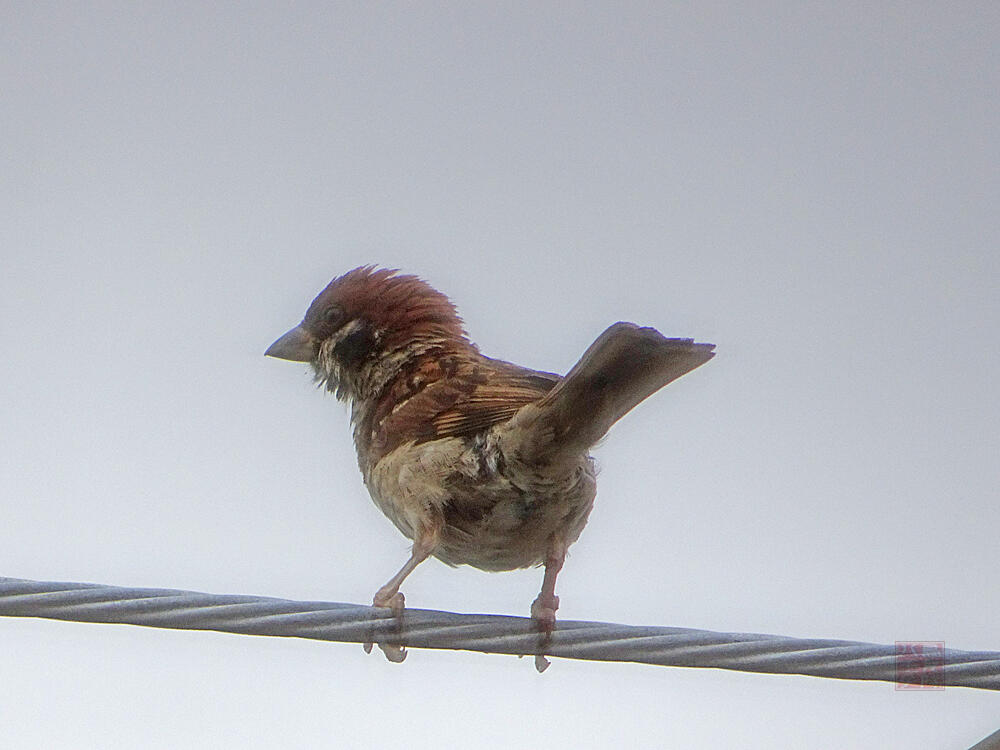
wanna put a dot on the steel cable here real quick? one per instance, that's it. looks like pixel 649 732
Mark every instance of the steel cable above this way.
pixel 421 628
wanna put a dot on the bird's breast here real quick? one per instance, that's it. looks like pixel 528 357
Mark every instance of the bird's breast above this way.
pixel 496 515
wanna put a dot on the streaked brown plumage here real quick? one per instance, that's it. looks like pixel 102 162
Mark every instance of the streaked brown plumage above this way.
pixel 478 461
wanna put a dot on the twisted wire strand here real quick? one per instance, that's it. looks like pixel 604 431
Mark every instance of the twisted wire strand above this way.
pixel 420 628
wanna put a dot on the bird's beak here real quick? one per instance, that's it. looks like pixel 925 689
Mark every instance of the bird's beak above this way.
pixel 296 346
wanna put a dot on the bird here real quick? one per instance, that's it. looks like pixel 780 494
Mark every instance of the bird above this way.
pixel 478 461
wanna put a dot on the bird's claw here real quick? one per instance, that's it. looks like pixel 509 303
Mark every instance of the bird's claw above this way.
pixel 395 654
pixel 395 601
pixel 543 612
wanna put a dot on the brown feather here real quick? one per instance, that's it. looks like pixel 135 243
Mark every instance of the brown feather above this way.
pixel 404 307
pixel 441 397
pixel 626 364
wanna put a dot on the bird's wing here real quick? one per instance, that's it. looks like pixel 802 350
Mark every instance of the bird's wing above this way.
pixel 450 399
pixel 498 397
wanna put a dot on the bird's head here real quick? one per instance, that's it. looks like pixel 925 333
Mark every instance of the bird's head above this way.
pixel 363 328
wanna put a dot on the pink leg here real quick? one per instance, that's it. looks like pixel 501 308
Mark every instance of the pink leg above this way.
pixel 390 595
pixel 543 609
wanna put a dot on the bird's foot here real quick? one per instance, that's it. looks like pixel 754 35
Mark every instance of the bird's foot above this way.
pixel 543 612
pixel 390 598
pixel 395 654
pixel 395 601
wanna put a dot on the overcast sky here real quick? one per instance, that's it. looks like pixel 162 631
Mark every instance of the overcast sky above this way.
pixel 813 187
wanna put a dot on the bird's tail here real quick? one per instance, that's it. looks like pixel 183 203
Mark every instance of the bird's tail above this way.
pixel 625 365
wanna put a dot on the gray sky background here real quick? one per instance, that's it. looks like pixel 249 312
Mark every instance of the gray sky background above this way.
pixel 813 187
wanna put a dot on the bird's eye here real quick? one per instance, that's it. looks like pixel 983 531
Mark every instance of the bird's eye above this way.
pixel 333 314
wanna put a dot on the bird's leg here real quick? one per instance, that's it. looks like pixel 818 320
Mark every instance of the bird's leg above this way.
pixel 423 546
pixel 390 596
pixel 543 609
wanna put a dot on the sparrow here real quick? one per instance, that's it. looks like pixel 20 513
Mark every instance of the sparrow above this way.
pixel 478 461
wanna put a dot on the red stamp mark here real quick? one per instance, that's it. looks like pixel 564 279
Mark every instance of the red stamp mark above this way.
pixel 919 665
